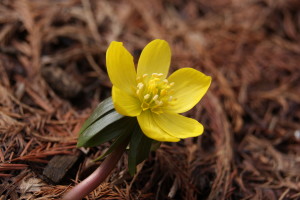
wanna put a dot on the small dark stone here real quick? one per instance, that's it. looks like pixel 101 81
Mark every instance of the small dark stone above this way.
pixel 59 166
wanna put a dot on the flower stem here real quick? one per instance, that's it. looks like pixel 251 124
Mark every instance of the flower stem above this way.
pixel 97 177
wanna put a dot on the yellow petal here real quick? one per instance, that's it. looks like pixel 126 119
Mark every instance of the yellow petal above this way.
pixel 155 58
pixel 120 67
pixel 152 130
pixel 125 104
pixel 190 86
pixel 179 126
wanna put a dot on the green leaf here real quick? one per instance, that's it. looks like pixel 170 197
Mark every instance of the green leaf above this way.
pixel 97 127
pixel 110 132
pixel 123 137
pixel 103 108
pixel 140 146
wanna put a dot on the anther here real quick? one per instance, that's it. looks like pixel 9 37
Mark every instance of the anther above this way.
pixel 154 92
pixel 155 97
pixel 147 96
pixel 140 86
pixel 159 103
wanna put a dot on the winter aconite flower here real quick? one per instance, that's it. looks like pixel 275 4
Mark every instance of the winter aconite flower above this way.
pixel 148 94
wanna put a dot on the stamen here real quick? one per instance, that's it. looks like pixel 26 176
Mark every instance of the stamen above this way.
pixel 151 82
pixel 145 106
pixel 163 92
pixel 140 86
pixel 159 103
pixel 155 97
pixel 154 92
pixel 157 110
pixel 147 96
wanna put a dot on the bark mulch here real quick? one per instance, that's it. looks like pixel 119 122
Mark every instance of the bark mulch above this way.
pixel 52 75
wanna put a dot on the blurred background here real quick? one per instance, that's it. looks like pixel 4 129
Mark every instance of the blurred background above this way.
pixel 53 74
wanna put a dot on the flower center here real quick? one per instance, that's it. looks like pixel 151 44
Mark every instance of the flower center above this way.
pixel 154 92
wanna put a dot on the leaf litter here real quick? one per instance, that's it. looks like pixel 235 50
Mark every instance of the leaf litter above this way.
pixel 52 75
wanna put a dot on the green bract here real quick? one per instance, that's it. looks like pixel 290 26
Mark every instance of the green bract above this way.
pixel 105 124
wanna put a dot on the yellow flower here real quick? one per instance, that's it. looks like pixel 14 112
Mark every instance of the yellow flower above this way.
pixel 147 93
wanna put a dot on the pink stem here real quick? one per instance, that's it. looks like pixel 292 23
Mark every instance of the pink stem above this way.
pixel 97 177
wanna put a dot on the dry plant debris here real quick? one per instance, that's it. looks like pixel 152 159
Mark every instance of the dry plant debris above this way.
pixel 52 74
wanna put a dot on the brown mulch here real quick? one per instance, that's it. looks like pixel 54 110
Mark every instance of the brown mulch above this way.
pixel 52 75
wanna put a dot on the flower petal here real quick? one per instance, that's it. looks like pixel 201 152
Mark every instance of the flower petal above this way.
pixel 152 130
pixel 179 126
pixel 126 104
pixel 190 86
pixel 120 67
pixel 155 58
